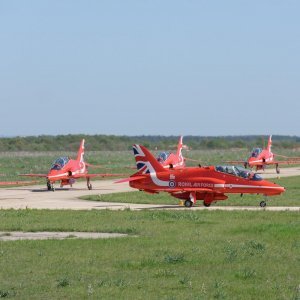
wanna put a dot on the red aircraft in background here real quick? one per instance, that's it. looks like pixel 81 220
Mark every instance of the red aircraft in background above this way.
pixel 173 160
pixel 67 170
pixel 209 184
pixel 260 158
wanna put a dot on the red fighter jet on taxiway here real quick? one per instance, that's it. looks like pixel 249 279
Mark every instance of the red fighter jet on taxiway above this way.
pixel 67 170
pixel 209 184
pixel 260 158
pixel 172 160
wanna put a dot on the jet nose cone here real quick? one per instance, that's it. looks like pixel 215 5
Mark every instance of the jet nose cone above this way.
pixel 279 190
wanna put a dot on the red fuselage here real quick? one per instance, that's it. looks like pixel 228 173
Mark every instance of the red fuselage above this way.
pixel 64 170
pixel 264 158
pixel 206 183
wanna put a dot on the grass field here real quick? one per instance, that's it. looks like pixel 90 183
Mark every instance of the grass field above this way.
pixel 290 198
pixel 169 255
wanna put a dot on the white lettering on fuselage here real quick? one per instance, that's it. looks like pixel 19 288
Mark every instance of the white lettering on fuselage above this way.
pixel 195 184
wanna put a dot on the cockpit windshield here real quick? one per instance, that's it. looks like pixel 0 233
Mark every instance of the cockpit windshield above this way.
pixel 255 152
pixel 163 156
pixel 59 163
pixel 238 171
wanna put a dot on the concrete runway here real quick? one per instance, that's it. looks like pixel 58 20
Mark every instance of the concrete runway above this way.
pixel 37 197
pixel 44 235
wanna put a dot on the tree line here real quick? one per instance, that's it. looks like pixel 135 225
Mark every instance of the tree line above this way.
pixel 121 143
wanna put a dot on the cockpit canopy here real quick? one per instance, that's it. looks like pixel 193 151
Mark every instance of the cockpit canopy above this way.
pixel 255 152
pixel 60 163
pixel 238 171
pixel 163 156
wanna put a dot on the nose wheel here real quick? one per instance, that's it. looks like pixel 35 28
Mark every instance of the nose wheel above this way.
pixel 263 204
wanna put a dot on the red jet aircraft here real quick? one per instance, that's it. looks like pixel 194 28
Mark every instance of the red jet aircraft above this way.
pixel 209 184
pixel 260 158
pixel 67 170
pixel 171 160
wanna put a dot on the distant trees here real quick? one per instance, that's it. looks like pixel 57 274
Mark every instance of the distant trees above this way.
pixel 119 143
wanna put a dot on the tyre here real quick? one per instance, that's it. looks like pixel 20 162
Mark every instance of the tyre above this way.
pixel 263 204
pixel 188 203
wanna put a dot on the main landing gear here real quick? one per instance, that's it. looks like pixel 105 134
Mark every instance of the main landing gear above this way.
pixel 277 169
pixel 89 185
pixel 188 203
pixel 191 201
pixel 50 186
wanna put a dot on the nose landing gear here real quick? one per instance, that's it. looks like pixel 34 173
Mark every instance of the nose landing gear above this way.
pixel 264 202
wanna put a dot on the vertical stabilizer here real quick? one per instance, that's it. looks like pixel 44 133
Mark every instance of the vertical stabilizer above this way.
pixel 179 150
pixel 80 155
pixel 145 161
pixel 269 143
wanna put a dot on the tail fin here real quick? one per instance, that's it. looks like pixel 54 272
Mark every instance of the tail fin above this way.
pixel 145 161
pixel 269 143
pixel 179 148
pixel 80 155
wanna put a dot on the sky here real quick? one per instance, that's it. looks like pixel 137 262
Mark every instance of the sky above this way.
pixel 144 67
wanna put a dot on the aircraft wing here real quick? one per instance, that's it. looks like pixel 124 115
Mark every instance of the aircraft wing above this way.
pixel 98 175
pixel 17 182
pixel 286 162
pixel 130 179
pixel 35 175
pixel 288 157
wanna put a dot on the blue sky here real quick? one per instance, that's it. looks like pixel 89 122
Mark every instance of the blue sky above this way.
pixel 149 67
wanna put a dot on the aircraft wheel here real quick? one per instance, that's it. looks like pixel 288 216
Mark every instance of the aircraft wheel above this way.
pixel 188 203
pixel 90 186
pixel 53 189
pixel 263 204
pixel 206 204
pixel 49 188
pixel 277 169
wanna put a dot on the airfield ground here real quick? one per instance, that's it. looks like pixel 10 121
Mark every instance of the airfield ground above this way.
pixel 167 253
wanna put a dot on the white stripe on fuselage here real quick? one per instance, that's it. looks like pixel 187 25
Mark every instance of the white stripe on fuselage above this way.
pixel 81 171
pixel 249 186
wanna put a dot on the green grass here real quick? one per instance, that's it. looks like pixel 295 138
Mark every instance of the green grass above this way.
pixel 290 198
pixel 174 255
